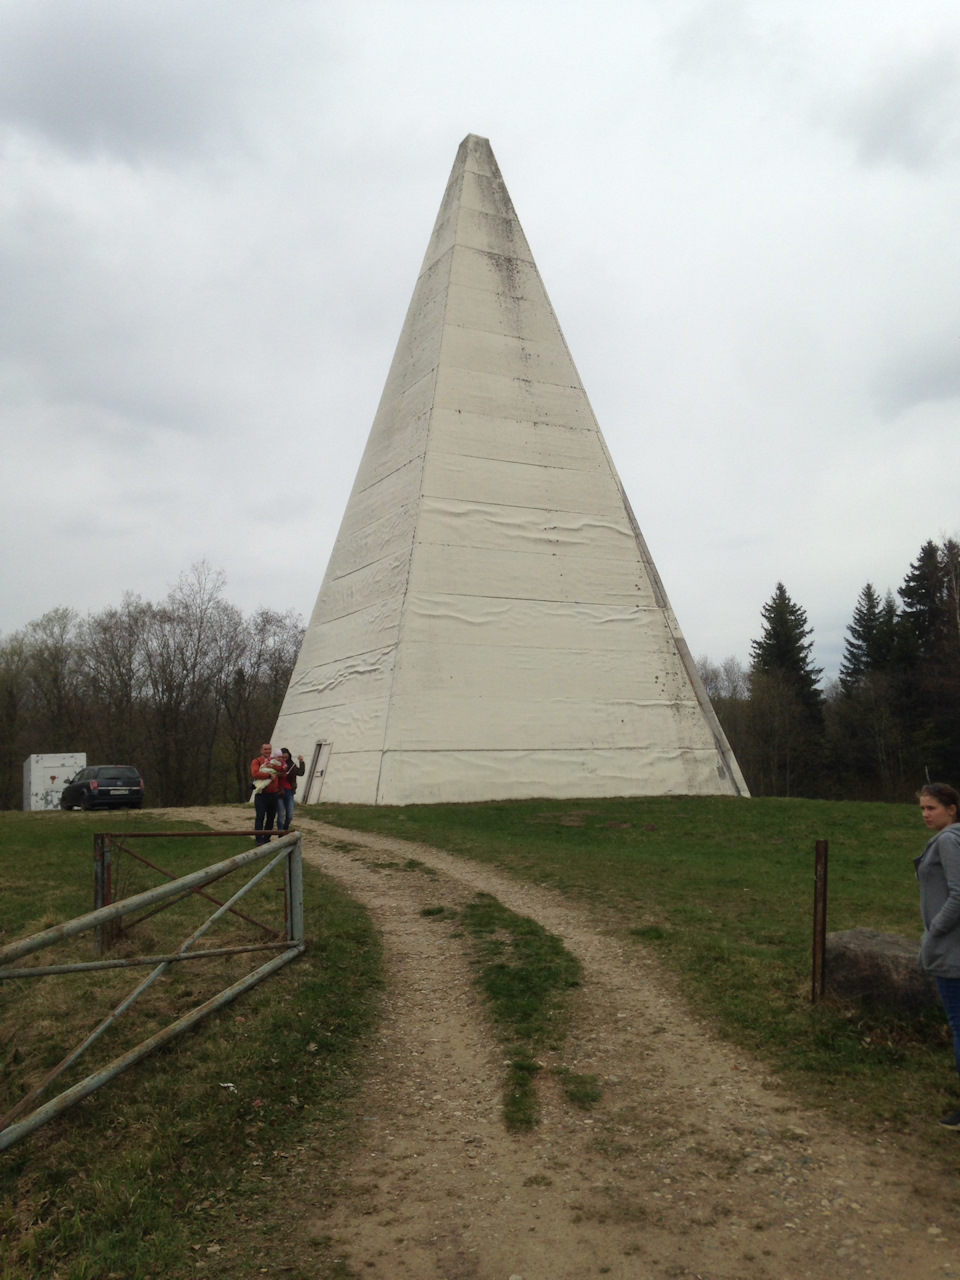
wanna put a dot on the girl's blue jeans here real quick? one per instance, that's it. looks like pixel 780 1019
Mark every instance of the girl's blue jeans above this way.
pixel 949 989
pixel 285 817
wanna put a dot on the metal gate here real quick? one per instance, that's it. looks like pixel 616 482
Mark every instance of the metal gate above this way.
pixel 287 850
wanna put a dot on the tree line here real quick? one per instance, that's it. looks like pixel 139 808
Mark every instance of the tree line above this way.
pixel 184 690
pixel 891 720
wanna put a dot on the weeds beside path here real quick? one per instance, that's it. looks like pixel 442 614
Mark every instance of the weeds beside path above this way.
pixel 693 1163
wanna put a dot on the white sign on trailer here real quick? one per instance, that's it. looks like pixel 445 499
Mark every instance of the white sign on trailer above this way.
pixel 44 777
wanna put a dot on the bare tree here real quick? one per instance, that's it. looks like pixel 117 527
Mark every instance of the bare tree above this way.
pixel 112 661
pixel 52 670
pixel 256 684
pixel 184 689
pixel 182 656
pixel 726 680
pixel 13 718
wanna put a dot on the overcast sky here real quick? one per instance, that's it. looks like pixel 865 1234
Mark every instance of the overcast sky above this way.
pixel 213 212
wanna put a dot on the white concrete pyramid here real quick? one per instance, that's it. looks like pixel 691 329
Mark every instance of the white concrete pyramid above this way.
pixel 490 624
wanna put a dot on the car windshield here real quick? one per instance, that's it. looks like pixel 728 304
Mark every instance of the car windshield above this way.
pixel 120 773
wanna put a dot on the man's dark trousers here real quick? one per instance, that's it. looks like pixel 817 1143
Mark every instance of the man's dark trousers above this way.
pixel 265 803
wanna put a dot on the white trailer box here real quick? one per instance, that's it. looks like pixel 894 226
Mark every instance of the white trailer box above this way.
pixel 44 777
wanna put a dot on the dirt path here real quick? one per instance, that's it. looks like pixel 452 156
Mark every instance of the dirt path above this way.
pixel 693 1164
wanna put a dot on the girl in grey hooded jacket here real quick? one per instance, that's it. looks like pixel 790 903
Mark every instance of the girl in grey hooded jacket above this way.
pixel 938 871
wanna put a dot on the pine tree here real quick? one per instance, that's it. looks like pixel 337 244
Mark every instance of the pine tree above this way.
pixel 925 597
pixel 860 634
pixel 785 650
pixel 950 563
pixel 871 642
pixel 785 703
pixel 882 653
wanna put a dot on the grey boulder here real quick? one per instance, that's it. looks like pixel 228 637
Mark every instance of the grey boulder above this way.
pixel 867 966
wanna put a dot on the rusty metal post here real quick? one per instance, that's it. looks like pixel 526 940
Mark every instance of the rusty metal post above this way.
pixel 819 921
pixel 99 890
pixel 107 870
pixel 111 931
pixel 105 935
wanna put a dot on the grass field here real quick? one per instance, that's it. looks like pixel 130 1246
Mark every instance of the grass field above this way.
pixel 723 890
pixel 172 1164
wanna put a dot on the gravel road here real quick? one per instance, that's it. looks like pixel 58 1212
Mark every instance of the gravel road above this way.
pixel 694 1164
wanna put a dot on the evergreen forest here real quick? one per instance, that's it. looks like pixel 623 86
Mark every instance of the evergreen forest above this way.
pixel 889 723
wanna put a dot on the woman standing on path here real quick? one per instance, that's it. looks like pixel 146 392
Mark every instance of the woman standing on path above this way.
pixel 288 789
pixel 938 871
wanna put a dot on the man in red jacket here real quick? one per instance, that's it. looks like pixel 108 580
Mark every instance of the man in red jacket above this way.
pixel 265 802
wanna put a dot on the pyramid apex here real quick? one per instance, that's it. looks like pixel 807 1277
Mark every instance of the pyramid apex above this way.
pixel 476 153
pixel 476 190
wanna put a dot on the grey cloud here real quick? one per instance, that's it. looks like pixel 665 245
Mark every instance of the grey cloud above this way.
pixel 920 377
pixel 132 80
pixel 910 115
pixel 713 35
pixel 732 38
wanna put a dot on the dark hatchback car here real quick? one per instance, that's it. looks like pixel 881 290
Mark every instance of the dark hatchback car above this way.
pixel 104 786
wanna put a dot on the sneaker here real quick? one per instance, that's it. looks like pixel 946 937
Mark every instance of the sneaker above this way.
pixel 951 1121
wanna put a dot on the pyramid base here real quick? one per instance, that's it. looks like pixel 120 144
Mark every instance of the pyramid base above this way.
pixel 438 777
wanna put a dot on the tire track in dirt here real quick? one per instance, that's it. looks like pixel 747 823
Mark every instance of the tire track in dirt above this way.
pixel 692 1165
